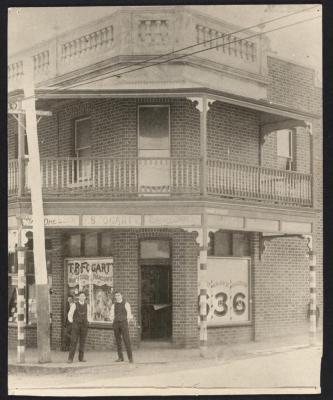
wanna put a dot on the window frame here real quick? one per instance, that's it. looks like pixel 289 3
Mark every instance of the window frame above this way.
pixel 291 147
pixel 169 127
pixel 76 149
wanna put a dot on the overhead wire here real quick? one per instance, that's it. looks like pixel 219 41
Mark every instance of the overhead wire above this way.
pixel 111 74
pixel 211 40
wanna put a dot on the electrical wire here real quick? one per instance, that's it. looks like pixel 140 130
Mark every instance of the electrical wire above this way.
pixel 111 74
pixel 213 39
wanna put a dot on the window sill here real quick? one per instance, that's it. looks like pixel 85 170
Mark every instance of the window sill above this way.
pixel 100 325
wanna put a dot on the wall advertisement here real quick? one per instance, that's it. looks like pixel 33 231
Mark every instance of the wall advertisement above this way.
pixel 94 276
pixel 228 291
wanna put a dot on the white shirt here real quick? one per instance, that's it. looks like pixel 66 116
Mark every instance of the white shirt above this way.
pixel 73 308
pixel 128 310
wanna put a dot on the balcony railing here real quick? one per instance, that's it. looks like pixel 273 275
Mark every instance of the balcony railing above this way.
pixel 134 177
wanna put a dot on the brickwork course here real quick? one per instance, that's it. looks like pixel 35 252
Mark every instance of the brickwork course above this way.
pixel 279 273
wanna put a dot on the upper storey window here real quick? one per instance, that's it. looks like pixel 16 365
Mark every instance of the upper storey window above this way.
pixel 83 149
pixel 286 146
pixel 83 137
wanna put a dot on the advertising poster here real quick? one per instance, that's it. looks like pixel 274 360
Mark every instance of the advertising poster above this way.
pixel 95 278
pixel 227 291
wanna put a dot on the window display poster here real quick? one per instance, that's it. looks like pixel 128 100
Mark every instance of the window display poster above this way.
pixel 227 291
pixel 95 278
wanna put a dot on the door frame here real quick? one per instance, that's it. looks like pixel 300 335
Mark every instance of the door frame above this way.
pixel 146 262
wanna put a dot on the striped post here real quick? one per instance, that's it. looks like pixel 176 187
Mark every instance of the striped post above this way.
pixel 20 305
pixel 313 303
pixel 203 301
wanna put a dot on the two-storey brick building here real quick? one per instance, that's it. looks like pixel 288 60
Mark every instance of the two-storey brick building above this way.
pixel 154 165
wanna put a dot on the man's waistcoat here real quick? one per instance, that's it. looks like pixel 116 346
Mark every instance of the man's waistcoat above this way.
pixel 80 315
pixel 120 313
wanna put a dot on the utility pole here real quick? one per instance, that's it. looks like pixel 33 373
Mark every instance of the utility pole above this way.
pixel 42 289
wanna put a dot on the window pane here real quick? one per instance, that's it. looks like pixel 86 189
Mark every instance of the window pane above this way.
pixel 84 153
pixel 91 245
pixel 241 244
pixel 154 128
pixel 155 249
pixel 222 244
pixel 82 133
pixel 283 143
pixel 106 244
pixel 74 245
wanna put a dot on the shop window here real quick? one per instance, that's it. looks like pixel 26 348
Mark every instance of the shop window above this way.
pixel 285 139
pixel 106 243
pixel 154 249
pixel 30 288
pixel 91 244
pixel 94 276
pixel 229 244
pixel 74 245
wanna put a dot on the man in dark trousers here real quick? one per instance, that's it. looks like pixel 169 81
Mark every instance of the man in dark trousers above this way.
pixel 68 325
pixel 78 316
pixel 120 315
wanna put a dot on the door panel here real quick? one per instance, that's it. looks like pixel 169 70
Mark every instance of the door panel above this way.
pixel 156 310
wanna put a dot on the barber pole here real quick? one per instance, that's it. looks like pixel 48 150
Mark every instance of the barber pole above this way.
pixel 203 301
pixel 21 305
pixel 313 303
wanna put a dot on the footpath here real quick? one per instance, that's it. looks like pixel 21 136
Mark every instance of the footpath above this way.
pixel 149 354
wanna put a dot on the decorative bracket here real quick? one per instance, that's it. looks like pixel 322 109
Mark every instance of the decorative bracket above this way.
pixel 309 244
pixel 198 102
pixel 263 238
pixel 198 231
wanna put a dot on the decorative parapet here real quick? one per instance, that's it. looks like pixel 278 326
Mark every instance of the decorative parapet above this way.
pixel 92 42
pixel 141 32
pixel 226 43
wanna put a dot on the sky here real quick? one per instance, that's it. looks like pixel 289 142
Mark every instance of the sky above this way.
pixel 301 43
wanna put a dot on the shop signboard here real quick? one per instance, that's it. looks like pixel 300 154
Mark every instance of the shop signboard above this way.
pixel 228 290
pixel 94 276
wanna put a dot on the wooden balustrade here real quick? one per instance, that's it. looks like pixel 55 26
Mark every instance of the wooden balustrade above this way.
pixel 165 176
pixel 251 182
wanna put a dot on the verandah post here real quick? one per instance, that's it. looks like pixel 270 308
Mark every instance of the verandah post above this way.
pixel 203 288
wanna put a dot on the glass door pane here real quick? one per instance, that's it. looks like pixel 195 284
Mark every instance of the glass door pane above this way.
pixel 154 150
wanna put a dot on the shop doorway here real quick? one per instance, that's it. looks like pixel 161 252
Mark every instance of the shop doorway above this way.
pixel 156 306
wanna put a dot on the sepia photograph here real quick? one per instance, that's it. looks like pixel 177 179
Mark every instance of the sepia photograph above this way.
pixel 165 200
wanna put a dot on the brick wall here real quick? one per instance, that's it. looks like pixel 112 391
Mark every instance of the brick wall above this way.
pixel 281 288
pixel 292 85
pixel 235 129
pixel 232 131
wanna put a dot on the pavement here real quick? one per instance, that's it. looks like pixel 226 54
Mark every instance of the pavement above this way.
pixel 151 354
pixel 282 365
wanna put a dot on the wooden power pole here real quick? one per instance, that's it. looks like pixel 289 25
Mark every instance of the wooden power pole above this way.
pixel 42 289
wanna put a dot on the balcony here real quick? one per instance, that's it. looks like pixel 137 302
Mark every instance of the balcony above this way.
pixel 133 178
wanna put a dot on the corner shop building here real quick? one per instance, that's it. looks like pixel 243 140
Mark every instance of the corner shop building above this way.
pixel 139 174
